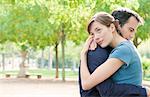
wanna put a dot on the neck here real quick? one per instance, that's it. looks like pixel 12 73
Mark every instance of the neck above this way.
pixel 117 39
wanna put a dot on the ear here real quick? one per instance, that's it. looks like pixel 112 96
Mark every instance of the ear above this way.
pixel 119 27
pixel 112 27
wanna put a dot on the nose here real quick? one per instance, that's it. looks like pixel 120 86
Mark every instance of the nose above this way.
pixel 132 35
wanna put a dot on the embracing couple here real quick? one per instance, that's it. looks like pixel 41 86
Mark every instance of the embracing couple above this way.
pixel 110 63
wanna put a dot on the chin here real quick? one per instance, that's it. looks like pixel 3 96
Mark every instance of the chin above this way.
pixel 103 46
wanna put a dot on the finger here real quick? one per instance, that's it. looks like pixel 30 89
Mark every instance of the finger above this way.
pixel 89 40
pixel 93 45
pixel 91 36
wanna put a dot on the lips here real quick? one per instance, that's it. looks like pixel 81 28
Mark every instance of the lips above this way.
pixel 100 42
pixel 129 38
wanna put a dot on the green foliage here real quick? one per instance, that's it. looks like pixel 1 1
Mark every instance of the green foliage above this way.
pixel 146 66
pixel 144 11
pixel 40 21
pixel 26 23
pixel 144 49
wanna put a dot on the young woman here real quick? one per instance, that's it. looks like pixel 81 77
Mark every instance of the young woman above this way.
pixel 102 27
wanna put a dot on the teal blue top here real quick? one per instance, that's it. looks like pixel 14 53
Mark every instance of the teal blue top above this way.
pixel 131 71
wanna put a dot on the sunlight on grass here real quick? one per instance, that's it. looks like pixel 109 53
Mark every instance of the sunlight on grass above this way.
pixel 51 73
pixel 43 72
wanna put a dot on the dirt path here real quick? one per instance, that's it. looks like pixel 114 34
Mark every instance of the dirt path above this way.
pixel 37 88
pixel 14 87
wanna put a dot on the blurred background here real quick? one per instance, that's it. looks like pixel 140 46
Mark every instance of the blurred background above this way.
pixel 45 37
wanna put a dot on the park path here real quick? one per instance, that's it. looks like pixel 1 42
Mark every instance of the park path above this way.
pixel 14 87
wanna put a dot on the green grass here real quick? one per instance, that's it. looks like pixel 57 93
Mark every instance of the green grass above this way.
pixel 51 73
pixel 43 72
pixel 147 76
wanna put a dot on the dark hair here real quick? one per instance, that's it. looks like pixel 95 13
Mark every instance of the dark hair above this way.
pixel 123 15
pixel 103 18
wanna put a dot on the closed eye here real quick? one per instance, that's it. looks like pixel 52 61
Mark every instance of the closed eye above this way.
pixel 131 29
pixel 98 30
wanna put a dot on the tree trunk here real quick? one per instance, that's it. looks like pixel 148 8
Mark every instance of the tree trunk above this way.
pixel 56 50
pixel 50 58
pixel 136 41
pixel 48 67
pixel 144 73
pixel 28 59
pixel 13 62
pixel 23 66
pixel 3 61
pixel 42 58
pixel 63 53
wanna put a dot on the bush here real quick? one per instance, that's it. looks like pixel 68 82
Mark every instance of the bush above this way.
pixel 146 66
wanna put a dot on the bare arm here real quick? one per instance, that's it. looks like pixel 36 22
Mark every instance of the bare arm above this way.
pixel 101 73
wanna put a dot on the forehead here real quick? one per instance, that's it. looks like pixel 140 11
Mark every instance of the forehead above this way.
pixel 95 25
pixel 132 22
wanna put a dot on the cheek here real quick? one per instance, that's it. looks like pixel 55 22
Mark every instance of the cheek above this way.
pixel 110 38
pixel 107 37
pixel 96 36
pixel 123 30
pixel 124 33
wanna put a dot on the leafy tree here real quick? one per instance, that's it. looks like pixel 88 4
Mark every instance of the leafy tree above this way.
pixel 27 26
pixel 143 32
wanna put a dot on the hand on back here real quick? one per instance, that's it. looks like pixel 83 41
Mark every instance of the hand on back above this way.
pixel 93 45
pixel 87 45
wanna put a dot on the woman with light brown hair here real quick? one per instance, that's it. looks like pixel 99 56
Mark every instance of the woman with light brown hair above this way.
pixel 123 61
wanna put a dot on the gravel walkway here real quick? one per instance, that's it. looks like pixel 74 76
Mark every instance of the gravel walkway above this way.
pixel 37 88
pixel 16 87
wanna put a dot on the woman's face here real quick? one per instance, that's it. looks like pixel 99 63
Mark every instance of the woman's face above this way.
pixel 102 34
